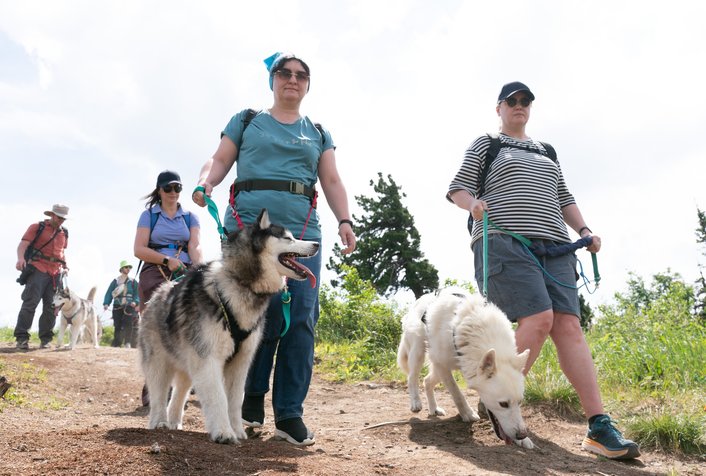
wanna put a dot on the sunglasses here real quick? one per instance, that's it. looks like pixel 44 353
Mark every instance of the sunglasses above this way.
pixel 286 74
pixel 524 102
pixel 172 187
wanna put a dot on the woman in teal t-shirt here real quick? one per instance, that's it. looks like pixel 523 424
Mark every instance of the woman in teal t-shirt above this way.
pixel 279 156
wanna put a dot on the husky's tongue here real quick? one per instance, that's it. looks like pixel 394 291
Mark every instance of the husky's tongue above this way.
pixel 304 270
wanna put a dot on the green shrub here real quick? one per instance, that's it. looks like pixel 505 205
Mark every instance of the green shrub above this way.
pixel 354 317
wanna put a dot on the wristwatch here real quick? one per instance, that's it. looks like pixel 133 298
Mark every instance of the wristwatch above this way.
pixel 165 261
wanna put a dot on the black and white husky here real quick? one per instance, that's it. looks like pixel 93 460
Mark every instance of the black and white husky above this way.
pixel 462 331
pixel 77 313
pixel 204 330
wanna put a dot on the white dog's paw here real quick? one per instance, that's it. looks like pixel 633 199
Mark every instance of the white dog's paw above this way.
pixel 525 443
pixel 415 404
pixel 470 416
pixel 226 437
pixel 438 411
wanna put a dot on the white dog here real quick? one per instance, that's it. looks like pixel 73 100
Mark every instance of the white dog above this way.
pixel 77 313
pixel 464 332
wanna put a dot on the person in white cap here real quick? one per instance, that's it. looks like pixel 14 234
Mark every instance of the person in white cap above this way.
pixel 123 293
pixel 40 259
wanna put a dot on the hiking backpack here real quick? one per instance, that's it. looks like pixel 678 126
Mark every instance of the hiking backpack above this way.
pixel 492 152
pixel 494 149
pixel 251 113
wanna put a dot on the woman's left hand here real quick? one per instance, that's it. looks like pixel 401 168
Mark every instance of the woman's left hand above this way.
pixel 595 245
pixel 345 231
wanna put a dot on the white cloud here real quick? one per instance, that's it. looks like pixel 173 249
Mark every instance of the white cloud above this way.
pixel 117 91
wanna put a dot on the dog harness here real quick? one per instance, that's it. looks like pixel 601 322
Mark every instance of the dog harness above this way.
pixel 237 333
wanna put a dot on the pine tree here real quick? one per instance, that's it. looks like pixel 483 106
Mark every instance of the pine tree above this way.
pixel 388 251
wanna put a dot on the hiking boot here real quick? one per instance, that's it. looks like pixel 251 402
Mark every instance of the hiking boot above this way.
pixel 294 431
pixel 604 439
pixel 23 344
pixel 45 345
pixel 253 411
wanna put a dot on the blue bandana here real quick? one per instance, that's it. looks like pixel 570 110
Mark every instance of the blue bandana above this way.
pixel 271 61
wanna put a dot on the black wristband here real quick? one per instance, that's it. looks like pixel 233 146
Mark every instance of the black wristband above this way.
pixel 165 261
pixel 345 220
pixel 585 228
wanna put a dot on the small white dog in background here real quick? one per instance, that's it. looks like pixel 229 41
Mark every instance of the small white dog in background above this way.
pixel 77 313
pixel 462 331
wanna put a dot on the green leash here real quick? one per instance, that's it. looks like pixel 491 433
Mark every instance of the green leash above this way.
pixel 286 302
pixel 213 210
pixel 487 222
pixel 286 295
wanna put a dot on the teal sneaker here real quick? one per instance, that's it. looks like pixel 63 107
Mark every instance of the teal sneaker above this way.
pixel 604 439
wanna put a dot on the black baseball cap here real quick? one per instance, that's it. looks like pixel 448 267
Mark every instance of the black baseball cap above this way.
pixel 515 87
pixel 167 177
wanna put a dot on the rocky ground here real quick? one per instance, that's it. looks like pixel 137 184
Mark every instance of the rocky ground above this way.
pixel 82 415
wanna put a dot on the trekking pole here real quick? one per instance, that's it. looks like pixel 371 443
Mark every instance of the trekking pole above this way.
pixel 213 210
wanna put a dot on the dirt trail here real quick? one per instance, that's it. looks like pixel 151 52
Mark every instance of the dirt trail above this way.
pixel 360 429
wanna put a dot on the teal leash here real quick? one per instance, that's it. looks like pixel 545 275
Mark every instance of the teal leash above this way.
pixel 286 303
pixel 485 253
pixel 286 295
pixel 487 222
pixel 213 210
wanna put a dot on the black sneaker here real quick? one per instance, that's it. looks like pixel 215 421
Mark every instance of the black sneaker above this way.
pixel 253 411
pixel 22 344
pixel 45 345
pixel 605 440
pixel 294 431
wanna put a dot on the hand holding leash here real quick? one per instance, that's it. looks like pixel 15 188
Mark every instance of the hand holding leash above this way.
pixel 201 193
pixel 201 197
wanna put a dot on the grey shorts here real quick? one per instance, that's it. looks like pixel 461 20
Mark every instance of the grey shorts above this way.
pixel 519 286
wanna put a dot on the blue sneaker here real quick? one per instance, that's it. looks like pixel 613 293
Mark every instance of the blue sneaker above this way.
pixel 604 439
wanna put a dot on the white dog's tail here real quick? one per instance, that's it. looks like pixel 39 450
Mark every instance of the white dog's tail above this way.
pixel 403 356
pixel 91 294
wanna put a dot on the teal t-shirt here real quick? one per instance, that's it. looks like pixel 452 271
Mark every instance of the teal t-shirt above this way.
pixel 269 149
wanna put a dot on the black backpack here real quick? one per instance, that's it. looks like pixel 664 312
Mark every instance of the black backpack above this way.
pixel 492 153
pixel 494 149
pixel 251 113
pixel 31 251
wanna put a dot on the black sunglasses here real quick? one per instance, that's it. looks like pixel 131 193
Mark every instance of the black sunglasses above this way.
pixel 286 74
pixel 176 187
pixel 512 102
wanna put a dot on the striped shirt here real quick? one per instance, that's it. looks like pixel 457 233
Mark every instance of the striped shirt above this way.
pixel 525 191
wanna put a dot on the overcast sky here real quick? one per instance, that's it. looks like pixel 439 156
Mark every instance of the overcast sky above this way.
pixel 97 97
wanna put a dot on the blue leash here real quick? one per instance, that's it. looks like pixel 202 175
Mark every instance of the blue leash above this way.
pixel 527 244
pixel 286 295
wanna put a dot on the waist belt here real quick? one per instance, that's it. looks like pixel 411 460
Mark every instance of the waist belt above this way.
pixel 277 185
pixel 174 246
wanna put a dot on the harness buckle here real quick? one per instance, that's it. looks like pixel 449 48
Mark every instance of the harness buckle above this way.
pixel 296 187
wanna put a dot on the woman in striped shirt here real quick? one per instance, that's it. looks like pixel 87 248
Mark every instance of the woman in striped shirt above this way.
pixel 524 192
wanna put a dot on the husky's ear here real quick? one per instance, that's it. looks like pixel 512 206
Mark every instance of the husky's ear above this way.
pixel 263 220
pixel 521 360
pixel 486 367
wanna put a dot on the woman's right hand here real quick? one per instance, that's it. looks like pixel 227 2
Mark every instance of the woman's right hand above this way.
pixel 477 207
pixel 198 196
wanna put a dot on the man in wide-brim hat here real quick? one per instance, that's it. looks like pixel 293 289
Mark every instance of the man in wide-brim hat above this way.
pixel 40 259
